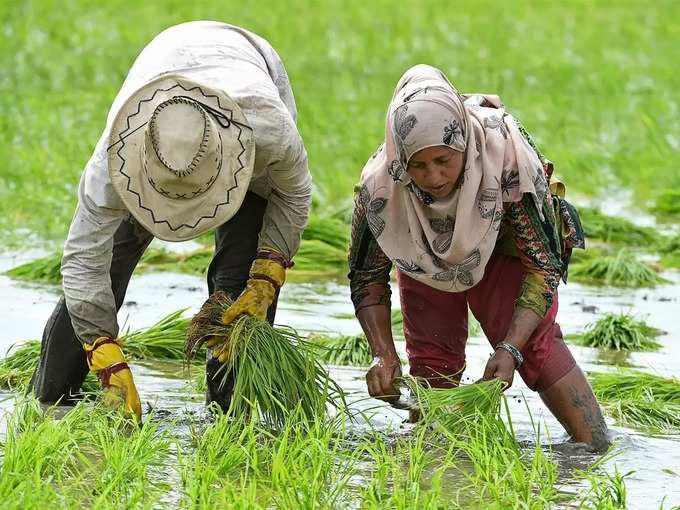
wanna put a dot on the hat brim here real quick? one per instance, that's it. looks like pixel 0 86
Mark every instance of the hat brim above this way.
pixel 174 219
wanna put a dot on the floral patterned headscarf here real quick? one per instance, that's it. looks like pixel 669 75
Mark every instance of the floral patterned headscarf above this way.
pixel 446 242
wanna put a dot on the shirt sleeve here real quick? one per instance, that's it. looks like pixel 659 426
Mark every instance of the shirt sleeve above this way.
pixel 291 196
pixel 369 267
pixel 86 264
pixel 538 248
pixel 85 268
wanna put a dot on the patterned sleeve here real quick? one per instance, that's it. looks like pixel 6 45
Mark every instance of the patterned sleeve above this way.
pixel 369 267
pixel 539 249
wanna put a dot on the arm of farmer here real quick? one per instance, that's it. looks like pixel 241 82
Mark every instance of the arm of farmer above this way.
pixel 538 248
pixel 369 275
pixel 87 284
pixel 284 220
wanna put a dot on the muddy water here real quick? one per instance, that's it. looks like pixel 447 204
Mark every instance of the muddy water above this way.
pixel 315 307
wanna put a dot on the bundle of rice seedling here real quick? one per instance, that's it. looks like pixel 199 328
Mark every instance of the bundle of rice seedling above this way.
pixel 668 204
pixel 18 365
pixel 163 340
pixel 615 230
pixel 670 252
pixel 195 262
pixel 317 257
pixel 331 231
pixel 620 332
pixel 454 409
pixel 43 270
pixel 622 270
pixel 275 369
pixel 639 399
pixel 342 350
pixel 20 361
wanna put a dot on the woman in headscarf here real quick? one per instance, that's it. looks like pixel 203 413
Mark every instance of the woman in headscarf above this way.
pixel 460 200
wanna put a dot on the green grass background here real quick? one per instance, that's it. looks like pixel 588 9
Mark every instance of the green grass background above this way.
pixel 595 82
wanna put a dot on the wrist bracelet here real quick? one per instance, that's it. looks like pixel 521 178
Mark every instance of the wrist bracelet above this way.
pixel 514 352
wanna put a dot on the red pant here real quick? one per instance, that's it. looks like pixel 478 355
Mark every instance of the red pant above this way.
pixel 435 326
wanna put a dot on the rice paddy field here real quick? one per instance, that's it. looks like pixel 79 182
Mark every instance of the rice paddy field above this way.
pixel 594 82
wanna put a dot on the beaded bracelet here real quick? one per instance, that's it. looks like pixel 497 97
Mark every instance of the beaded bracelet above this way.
pixel 514 352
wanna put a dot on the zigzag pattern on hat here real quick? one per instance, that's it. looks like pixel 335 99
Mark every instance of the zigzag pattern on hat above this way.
pixel 129 178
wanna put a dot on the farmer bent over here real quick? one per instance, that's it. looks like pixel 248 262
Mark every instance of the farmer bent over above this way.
pixel 201 136
pixel 460 200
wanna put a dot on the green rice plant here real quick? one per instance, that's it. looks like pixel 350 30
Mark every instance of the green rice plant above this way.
pixel 612 229
pixel 163 340
pixel 42 270
pixel 275 369
pixel 670 252
pixel 639 399
pixel 195 262
pixel 18 365
pixel 348 350
pixel 406 473
pixel 620 332
pixel 667 205
pixel 453 408
pixel 239 463
pixel 89 458
pixel 607 491
pixel 332 231
pixel 621 270
pixel 316 257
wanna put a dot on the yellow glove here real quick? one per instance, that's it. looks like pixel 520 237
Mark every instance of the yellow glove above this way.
pixel 267 275
pixel 105 358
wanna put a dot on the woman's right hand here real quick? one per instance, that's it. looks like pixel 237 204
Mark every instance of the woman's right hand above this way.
pixel 382 376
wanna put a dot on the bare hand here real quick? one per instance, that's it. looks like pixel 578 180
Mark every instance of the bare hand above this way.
pixel 381 378
pixel 500 366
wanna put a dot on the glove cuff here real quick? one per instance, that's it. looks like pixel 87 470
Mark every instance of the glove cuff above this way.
pixel 104 375
pixel 107 357
pixel 272 270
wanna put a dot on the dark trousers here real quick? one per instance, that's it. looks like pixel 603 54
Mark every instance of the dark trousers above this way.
pixel 63 367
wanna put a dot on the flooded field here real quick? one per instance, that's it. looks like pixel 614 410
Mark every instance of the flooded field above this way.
pixel 167 389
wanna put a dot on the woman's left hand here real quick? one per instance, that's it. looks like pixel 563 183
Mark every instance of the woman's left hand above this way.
pixel 501 365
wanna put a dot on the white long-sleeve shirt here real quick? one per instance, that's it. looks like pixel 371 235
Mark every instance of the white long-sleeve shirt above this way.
pixel 248 69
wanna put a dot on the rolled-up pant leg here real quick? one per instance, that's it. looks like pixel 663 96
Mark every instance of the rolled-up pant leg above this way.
pixel 235 250
pixel 62 366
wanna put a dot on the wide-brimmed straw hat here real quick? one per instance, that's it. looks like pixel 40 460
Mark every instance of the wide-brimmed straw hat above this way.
pixel 180 157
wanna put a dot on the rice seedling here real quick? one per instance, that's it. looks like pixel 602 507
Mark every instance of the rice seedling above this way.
pixel 239 463
pixel 42 270
pixel 17 367
pixel 620 332
pixel 348 350
pixel 195 262
pixel 452 409
pixel 621 270
pixel 612 229
pixel 318 258
pixel 606 492
pixel 88 458
pixel 408 474
pixel 163 340
pixel 639 399
pixel 667 205
pixel 276 369
pixel 670 252
pixel 332 231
